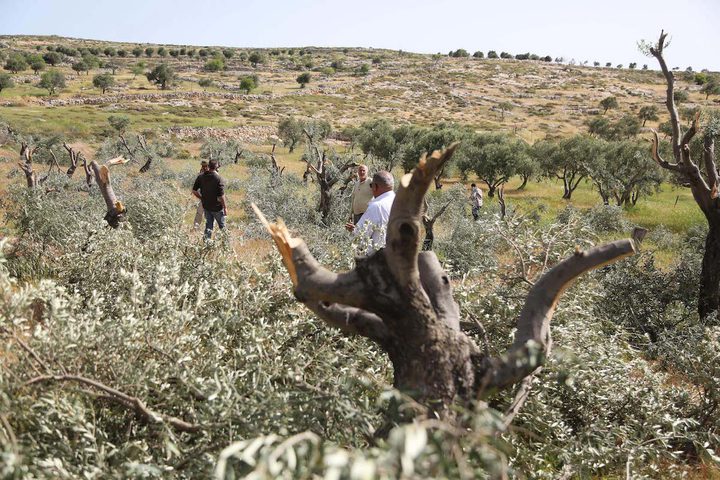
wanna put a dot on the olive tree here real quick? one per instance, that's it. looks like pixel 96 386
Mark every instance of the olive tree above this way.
pixel 162 75
pixel 16 63
pixel 103 81
pixel 648 112
pixel 402 300
pixel 248 83
pixel 290 130
pixel 624 172
pixel 702 178
pixel 492 157
pixel 567 160
pixel 608 103
pixel 5 81
pixel 52 80
pixel 303 79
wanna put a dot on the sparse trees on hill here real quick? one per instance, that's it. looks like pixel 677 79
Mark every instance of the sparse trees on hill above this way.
pixel 162 52
pixel 137 69
pixel 492 54
pixel 52 80
pixel 505 107
pixel 103 81
pixel 36 63
pixel 569 159
pixel 303 79
pixel 711 87
pixel 290 130
pixel 109 52
pixel 492 157
pixel 149 52
pixel 137 51
pixel 214 65
pixel 249 83
pixel 459 53
pixel 205 83
pixel 624 173
pixel 227 53
pixel 256 58
pixel 5 81
pixel 52 58
pixel 16 63
pixel 648 112
pixel 80 66
pixel 608 103
pixel 478 54
pixel 162 75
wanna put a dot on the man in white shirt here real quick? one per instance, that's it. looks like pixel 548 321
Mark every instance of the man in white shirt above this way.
pixel 373 223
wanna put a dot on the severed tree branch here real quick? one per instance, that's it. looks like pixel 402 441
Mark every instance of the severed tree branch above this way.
pixel 132 403
pixel 74 159
pixel 403 229
pixel 532 340
pixel 115 209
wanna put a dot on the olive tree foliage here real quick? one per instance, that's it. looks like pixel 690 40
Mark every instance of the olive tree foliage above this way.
pixel 648 112
pixel 15 63
pixel 625 173
pixel 492 157
pixel 52 80
pixel 249 83
pixel 163 76
pixel 303 79
pixel 417 140
pixel 569 159
pixel 290 131
pixel 103 81
pixel 625 127
pixel 608 103
pixel 224 152
pixel 380 142
pixel 6 81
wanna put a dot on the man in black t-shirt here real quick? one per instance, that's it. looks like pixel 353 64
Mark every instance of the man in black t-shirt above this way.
pixel 209 187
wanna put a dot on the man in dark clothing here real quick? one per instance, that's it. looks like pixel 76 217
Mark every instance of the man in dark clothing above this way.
pixel 209 187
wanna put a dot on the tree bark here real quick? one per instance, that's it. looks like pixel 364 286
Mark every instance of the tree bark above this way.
pixel 709 298
pixel 525 179
pixel 115 209
pixel 26 164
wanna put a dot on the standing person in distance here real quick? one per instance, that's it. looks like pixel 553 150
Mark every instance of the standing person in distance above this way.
pixel 373 223
pixel 361 193
pixel 210 189
pixel 476 197
pixel 200 212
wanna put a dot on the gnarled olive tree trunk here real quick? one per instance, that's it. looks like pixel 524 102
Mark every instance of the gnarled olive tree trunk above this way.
pixel 704 186
pixel 115 209
pixel 402 299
